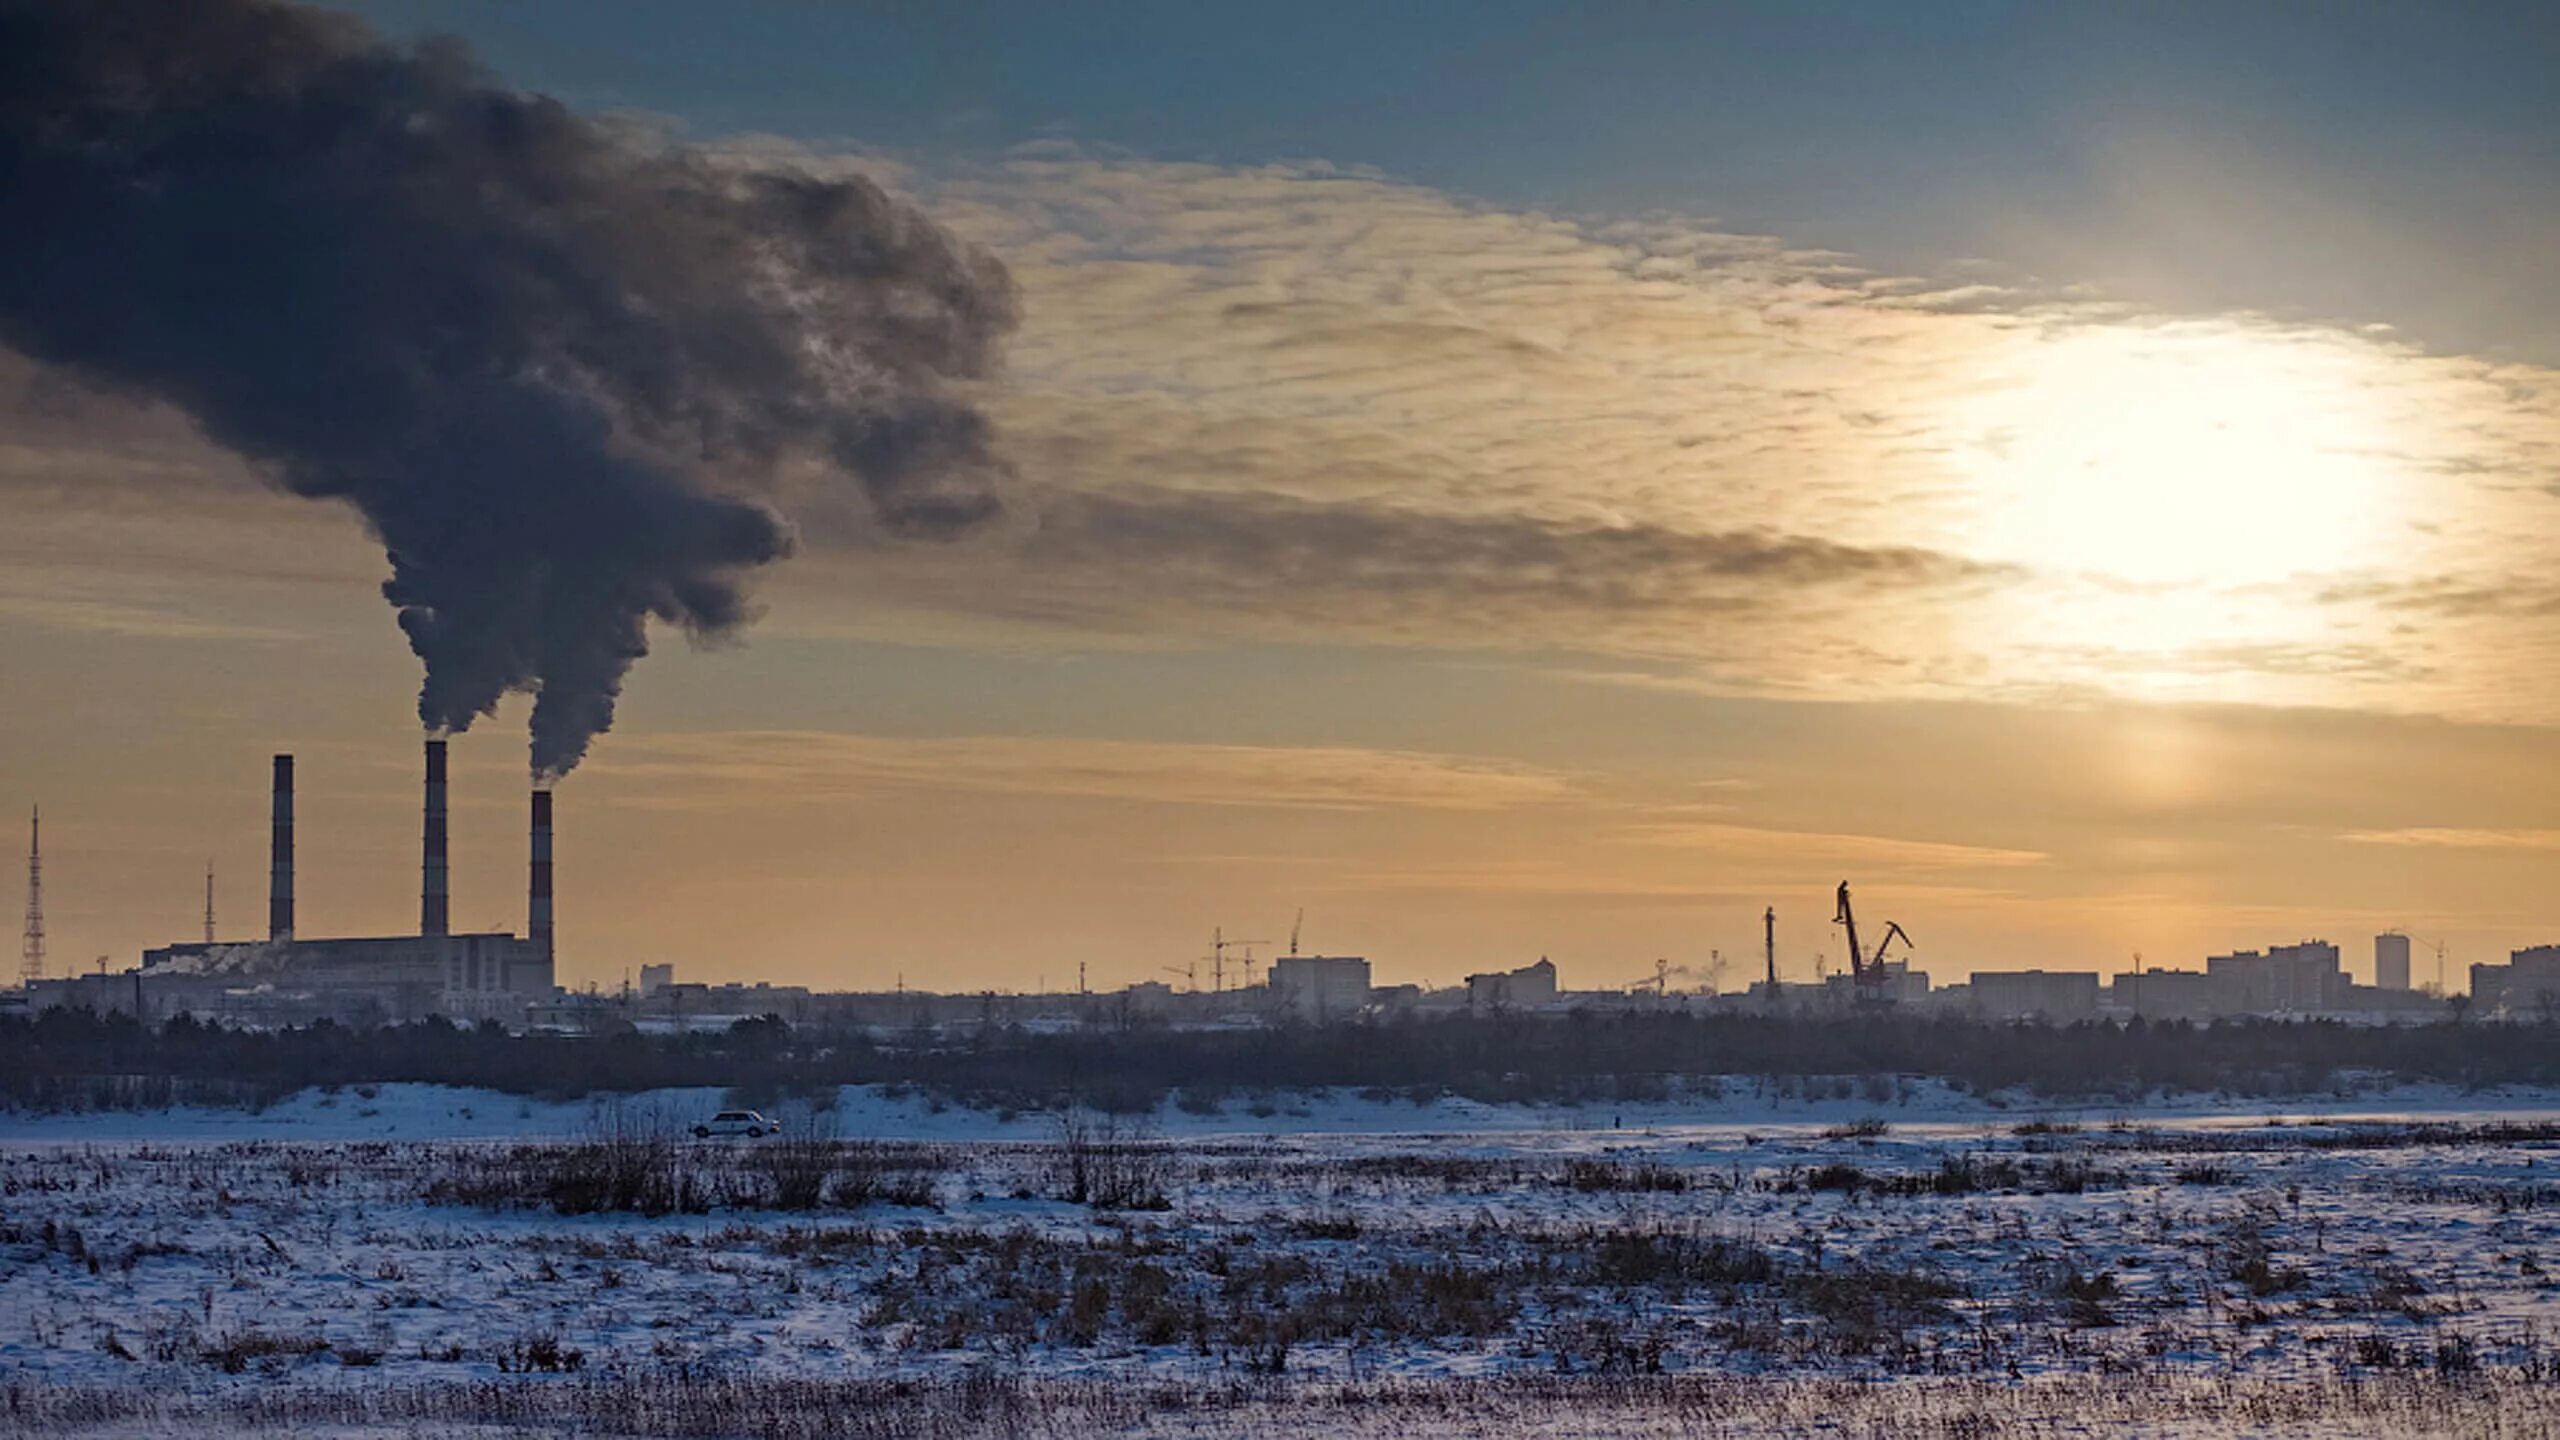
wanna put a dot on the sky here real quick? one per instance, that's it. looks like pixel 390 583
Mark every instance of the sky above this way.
pixel 1503 480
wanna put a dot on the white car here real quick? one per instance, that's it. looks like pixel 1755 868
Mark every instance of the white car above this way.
pixel 737 1122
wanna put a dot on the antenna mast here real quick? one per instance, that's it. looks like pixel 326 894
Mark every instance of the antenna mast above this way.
pixel 31 961
pixel 208 902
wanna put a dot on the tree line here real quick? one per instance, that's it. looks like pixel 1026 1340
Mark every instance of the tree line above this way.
pixel 75 1059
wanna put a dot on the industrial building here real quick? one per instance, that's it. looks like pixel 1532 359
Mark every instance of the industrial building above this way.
pixel 288 978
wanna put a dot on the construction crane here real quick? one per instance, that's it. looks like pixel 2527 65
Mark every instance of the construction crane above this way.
pixel 1293 929
pixel 2438 947
pixel 1892 932
pixel 1190 974
pixel 1218 945
pixel 1867 970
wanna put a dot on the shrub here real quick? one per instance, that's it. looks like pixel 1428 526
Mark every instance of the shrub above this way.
pixel 1109 1163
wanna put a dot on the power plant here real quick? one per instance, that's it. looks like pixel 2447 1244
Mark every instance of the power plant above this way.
pixel 288 976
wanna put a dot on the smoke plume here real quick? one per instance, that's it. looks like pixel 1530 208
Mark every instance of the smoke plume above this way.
pixel 556 369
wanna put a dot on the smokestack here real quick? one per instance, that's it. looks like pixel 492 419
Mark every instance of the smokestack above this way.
pixel 432 906
pixel 538 899
pixel 280 871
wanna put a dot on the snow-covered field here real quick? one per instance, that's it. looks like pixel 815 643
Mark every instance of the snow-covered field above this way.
pixel 435 1112
pixel 399 1258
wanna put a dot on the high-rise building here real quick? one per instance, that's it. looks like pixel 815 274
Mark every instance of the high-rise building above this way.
pixel 2391 960
pixel 1320 987
pixel 2059 996
pixel 2295 978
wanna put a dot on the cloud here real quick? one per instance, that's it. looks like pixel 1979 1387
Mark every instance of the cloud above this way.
pixel 721 768
pixel 2455 599
pixel 131 619
pixel 2458 839
pixel 1270 564
pixel 1303 404
pixel 1799 847
pixel 1310 400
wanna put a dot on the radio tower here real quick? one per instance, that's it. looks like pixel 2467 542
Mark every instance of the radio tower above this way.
pixel 31 962
pixel 208 902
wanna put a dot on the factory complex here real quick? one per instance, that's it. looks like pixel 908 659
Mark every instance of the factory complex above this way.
pixel 287 978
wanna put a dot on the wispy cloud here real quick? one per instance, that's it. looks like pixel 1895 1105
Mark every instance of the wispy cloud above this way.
pixel 1306 402
pixel 142 615
pixel 1298 399
pixel 724 767
pixel 2458 839
pixel 1751 842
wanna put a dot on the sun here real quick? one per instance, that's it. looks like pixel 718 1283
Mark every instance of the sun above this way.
pixel 2181 456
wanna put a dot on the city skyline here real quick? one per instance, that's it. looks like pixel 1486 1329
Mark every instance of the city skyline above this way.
pixel 1479 546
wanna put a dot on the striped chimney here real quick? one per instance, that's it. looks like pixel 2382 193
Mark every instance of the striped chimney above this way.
pixel 433 901
pixel 538 899
pixel 280 856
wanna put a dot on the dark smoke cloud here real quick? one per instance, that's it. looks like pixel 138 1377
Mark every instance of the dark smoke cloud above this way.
pixel 554 369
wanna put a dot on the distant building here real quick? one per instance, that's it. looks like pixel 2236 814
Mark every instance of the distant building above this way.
pixel 2059 996
pixel 392 978
pixel 2171 995
pixel 2527 985
pixel 1396 997
pixel 1524 988
pixel 2296 978
pixel 1320 987
pixel 1789 992
pixel 2391 960
pixel 692 1005
pixel 1902 984
pixel 654 978
pixel 570 1013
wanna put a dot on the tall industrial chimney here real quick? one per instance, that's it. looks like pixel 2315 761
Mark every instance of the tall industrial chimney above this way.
pixel 433 909
pixel 538 899
pixel 280 869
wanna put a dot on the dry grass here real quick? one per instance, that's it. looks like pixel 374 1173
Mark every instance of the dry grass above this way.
pixel 1636 1408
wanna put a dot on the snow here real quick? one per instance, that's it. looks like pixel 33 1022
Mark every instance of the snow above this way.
pixel 320 1242
pixel 437 1112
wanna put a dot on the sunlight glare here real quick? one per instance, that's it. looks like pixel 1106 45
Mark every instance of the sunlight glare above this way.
pixel 2182 455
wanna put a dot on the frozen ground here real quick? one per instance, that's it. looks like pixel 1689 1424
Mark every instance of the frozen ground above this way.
pixel 399 1260
pixel 436 1112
